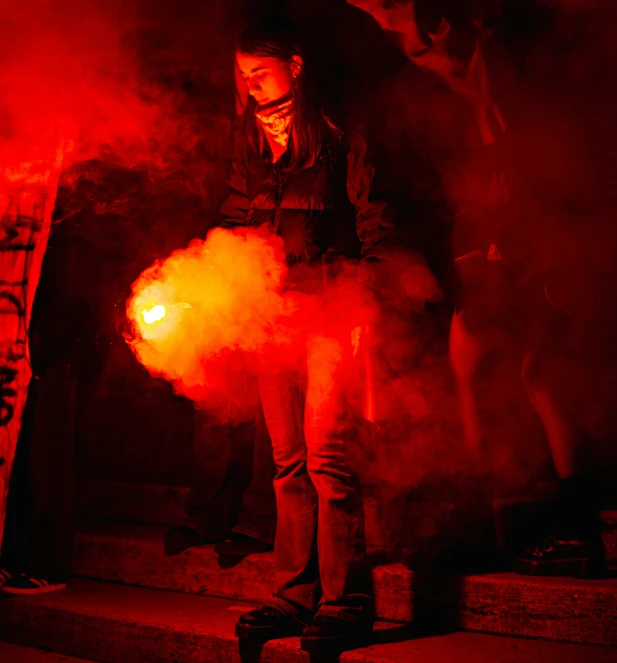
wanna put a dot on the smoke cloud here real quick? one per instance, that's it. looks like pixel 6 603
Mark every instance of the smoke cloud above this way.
pixel 131 83
pixel 133 87
pixel 208 301
pixel 230 304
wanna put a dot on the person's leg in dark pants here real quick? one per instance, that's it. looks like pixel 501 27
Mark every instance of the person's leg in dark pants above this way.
pixel 256 516
pixel 345 610
pixel 297 586
pixel 209 506
pixel 295 550
pixel 317 546
pixel 552 369
pixel 218 507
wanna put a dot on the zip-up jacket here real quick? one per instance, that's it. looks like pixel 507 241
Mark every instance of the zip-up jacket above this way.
pixel 324 209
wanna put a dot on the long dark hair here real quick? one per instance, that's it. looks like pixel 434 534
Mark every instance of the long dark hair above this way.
pixel 311 132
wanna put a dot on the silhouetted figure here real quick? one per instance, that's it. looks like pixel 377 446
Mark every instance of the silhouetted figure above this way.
pixel 505 306
pixel 231 502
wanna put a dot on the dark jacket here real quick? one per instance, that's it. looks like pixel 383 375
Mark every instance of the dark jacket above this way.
pixel 414 126
pixel 323 209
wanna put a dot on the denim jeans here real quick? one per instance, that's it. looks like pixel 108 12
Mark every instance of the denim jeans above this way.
pixel 319 536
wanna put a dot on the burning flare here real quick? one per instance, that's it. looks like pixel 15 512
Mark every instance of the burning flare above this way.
pixel 207 301
pixel 155 314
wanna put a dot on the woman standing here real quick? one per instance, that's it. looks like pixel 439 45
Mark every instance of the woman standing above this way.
pixel 294 173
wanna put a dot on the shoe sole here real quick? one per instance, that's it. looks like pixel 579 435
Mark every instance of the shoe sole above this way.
pixel 28 592
pixel 567 568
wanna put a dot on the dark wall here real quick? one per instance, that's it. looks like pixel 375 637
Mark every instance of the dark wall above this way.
pixel 118 216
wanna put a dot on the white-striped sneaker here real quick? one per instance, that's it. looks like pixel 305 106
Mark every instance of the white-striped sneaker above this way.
pixel 5 576
pixel 23 584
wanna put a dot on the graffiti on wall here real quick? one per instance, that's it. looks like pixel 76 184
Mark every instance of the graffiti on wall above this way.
pixel 27 196
pixel 18 235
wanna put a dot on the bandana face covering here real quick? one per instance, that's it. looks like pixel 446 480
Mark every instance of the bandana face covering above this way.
pixel 275 119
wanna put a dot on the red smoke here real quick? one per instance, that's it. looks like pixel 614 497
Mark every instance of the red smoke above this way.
pixel 219 296
pixel 211 312
pixel 72 69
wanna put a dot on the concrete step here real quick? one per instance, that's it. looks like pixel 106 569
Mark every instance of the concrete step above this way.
pixel 107 497
pixel 583 611
pixel 114 499
pixel 115 624
pixel 10 653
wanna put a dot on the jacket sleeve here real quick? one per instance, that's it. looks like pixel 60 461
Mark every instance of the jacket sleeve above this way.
pixel 389 259
pixel 374 223
pixel 235 209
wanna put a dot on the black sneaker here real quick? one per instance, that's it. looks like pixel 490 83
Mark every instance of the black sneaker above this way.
pixel 564 556
pixel 24 585
pixel 5 576
pixel 236 544
pixel 331 634
pixel 268 623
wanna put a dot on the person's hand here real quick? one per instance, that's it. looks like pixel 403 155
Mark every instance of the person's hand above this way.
pixel 398 19
pixel 359 339
pixel 356 335
pixel 390 16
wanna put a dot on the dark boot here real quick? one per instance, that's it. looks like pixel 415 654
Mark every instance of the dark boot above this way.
pixel 576 548
pixel 559 556
pixel 268 623
pixel 5 576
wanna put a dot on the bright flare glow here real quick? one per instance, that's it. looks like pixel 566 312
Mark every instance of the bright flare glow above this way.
pixel 154 314
pixel 208 301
